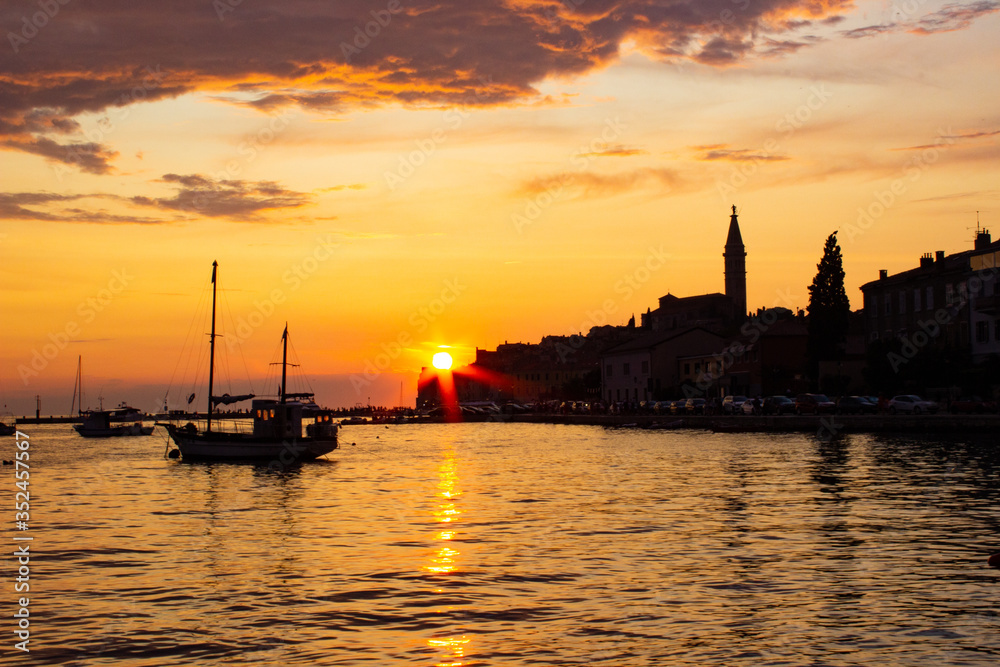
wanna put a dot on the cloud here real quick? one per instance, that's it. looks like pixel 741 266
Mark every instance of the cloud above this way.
pixel 953 138
pixel 232 199
pixel 615 151
pixel 947 19
pixel 724 152
pixel 92 158
pixel 869 30
pixel 329 57
pixel 774 47
pixel 587 184
pixel 338 188
pixel 953 17
pixel 26 205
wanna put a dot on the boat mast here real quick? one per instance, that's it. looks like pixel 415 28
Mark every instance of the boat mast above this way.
pixel 211 354
pixel 78 385
pixel 284 361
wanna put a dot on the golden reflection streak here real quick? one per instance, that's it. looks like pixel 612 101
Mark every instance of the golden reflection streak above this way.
pixel 443 561
pixel 454 644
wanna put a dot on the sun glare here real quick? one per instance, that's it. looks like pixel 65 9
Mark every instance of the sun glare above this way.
pixel 442 361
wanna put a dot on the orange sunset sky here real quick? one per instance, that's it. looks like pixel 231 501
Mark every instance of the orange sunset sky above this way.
pixel 464 174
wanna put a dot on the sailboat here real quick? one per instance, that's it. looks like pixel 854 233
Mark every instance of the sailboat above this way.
pixel 103 423
pixel 277 423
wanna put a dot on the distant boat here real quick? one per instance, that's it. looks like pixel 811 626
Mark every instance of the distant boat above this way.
pixel 277 423
pixel 99 424
pixel 105 423
pixel 8 424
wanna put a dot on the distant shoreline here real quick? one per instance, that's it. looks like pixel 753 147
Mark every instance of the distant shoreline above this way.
pixel 823 425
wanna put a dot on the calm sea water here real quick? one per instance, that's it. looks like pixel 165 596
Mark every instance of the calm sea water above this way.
pixel 516 544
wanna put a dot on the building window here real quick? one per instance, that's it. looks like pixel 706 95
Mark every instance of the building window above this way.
pixel 888 304
pixel 902 302
pixel 929 298
pixel 949 294
pixel 697 368
pixel 873 306
pixel 645 368
pixel 625 369
pixel 873 336
pixel 546 377
pixel 982 332
pixel 963 293
pixel 687 368
pixel 607 371
pixel 916 300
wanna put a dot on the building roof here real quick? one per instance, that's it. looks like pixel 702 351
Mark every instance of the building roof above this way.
pixel 654 339
pixel 955 263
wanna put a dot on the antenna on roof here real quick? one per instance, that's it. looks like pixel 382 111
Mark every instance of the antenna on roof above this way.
pixel 978 228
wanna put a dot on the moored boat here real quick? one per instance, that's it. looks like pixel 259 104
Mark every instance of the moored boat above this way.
pixel 101 424
pixel 277 434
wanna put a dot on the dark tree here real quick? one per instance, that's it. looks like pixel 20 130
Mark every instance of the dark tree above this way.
pixel 829 308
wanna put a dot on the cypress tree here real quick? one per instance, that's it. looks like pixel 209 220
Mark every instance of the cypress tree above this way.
pixel 829 309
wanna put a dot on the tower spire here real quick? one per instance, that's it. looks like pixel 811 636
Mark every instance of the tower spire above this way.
pixel 736 268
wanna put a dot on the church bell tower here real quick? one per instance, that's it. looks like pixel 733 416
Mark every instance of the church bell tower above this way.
pixel 735 256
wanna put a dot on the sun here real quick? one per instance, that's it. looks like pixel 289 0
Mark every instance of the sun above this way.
pixel 442 361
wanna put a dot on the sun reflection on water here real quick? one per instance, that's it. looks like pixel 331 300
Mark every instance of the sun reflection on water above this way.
pixel 444 560
pixel 454 645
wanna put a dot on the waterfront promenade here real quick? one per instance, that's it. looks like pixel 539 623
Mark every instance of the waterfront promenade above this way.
pixel 822 424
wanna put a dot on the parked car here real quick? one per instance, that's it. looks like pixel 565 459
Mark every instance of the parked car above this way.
pixel 731 405
pixel 778 405
pixel 751 406
pixel 813 404
pixel 911 404
pixel 972 404
pixel 855 405
pixel 695 406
